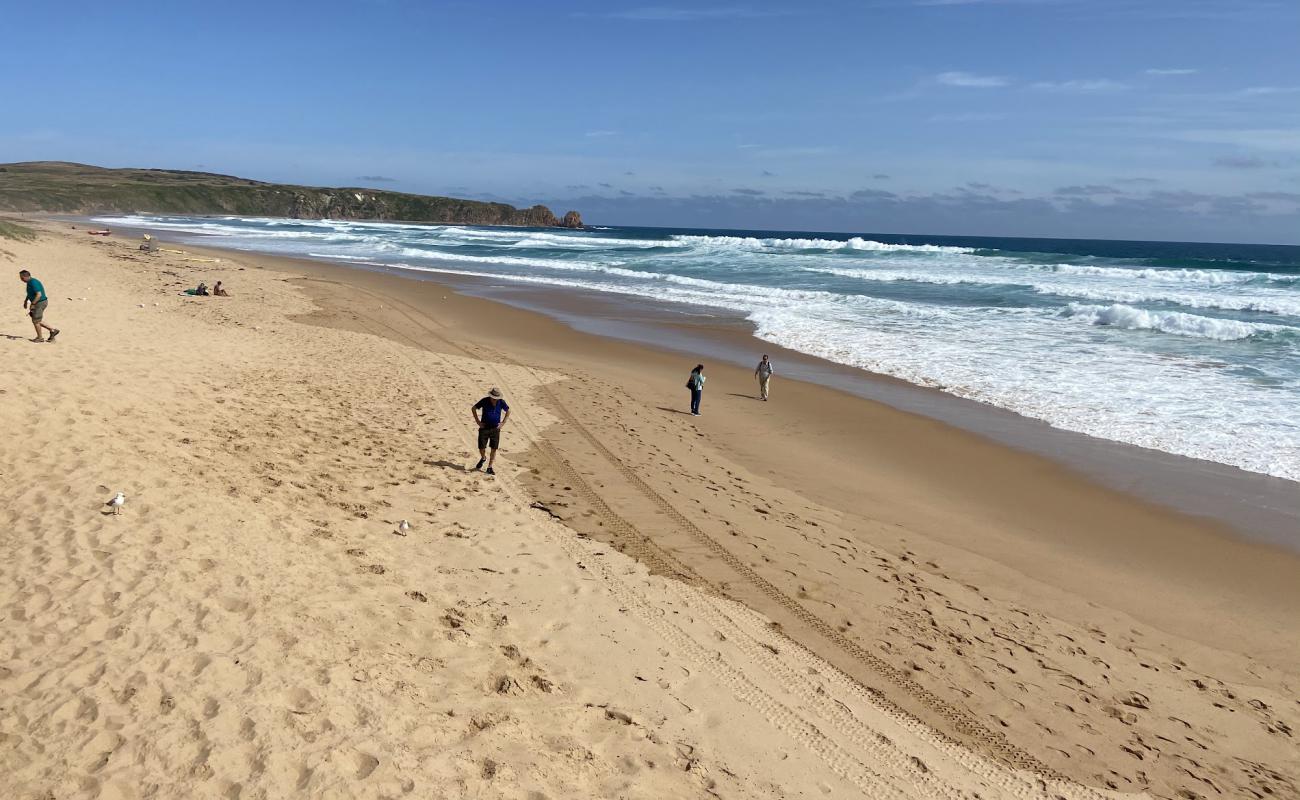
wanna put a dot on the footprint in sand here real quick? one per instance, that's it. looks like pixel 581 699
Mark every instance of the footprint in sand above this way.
pixel 300 701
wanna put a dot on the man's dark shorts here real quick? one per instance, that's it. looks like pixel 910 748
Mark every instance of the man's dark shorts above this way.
pixel 37 310
pixel 489 436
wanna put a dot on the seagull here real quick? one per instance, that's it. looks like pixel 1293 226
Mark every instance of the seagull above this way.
pixel 403 527
pixel 117 502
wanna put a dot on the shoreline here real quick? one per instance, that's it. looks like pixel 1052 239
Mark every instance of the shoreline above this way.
pixel 1260 507
pixel 939 458
pixel 1013 606
pixel 1024 534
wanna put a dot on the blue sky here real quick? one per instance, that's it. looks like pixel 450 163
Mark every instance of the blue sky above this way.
pixel 1170 119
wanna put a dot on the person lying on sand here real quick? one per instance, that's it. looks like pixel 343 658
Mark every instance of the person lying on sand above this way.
pixel 35 305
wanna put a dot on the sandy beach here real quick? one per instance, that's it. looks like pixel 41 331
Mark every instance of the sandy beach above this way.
pixel 816 596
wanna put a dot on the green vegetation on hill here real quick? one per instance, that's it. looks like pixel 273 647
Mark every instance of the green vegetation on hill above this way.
pixel 61 187
pixel 12 230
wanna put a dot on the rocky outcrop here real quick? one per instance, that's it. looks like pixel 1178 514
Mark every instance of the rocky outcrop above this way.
pixel 396 206
pixel 78 188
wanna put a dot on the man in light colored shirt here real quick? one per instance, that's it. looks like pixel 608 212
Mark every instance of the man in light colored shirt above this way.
pixel 764 374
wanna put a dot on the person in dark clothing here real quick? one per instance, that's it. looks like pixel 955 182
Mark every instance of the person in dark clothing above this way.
pixel 493 416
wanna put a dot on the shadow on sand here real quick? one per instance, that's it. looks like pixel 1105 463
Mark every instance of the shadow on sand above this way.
pixel 673 410
pixel 447 465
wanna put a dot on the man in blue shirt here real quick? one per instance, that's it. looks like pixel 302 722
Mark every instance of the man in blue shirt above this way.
pixel 495 412
pixel 35 305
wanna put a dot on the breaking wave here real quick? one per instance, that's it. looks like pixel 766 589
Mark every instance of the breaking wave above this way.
pixel 1197 354
pixel 1175 322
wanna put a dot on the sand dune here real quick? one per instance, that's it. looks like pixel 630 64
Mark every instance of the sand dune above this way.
pixel 253 625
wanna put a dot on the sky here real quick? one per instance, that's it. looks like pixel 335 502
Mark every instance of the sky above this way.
pixel 1131 119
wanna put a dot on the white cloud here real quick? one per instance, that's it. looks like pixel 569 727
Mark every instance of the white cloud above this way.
pixel 1261 91
pixel 969 116
pixel 1245 162
pixel 1089 85
pixel 1172 72
pixel 1273 139
pixel 983 2
pixel 667 14
pixel 797 151
pixel 968 80
pixel 598 134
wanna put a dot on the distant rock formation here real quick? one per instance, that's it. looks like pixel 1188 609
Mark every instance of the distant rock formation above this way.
pixel 61 187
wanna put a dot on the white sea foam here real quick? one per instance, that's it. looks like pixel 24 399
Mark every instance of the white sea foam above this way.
pixel 1176 322
pixel 1196 361
pixel 1143 398
pixel 1202 276
pixel 855 243
pixel 1286 305
pixel 891 276
pixel 520 261
pixel 572 242
pixel 1225 295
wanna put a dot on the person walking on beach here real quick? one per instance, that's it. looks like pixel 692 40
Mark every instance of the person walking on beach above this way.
pixel 495 412
pixel 35 305
pixel 696 384
pixel 764 374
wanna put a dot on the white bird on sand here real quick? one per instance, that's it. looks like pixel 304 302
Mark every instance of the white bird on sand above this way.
pixel 117 502
pixel 403 527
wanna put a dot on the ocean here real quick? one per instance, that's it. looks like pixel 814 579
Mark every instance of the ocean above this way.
pixel 1192 349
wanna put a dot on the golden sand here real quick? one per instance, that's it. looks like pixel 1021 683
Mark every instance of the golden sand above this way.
pixel 254 624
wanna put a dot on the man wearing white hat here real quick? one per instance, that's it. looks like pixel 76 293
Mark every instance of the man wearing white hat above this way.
pixel 495 412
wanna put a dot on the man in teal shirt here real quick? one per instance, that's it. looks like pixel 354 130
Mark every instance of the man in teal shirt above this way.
pixel 35 305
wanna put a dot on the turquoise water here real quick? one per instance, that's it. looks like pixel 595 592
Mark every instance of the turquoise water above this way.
pixel 1191 349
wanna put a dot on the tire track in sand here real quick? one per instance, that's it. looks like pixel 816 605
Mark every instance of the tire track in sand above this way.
pixel 837 759
pixel 641 546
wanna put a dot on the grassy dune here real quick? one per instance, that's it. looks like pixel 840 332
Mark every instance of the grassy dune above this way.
pixel 61 187
pixel 12 230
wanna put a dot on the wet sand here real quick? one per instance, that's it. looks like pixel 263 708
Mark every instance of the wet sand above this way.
pixel 1257 506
